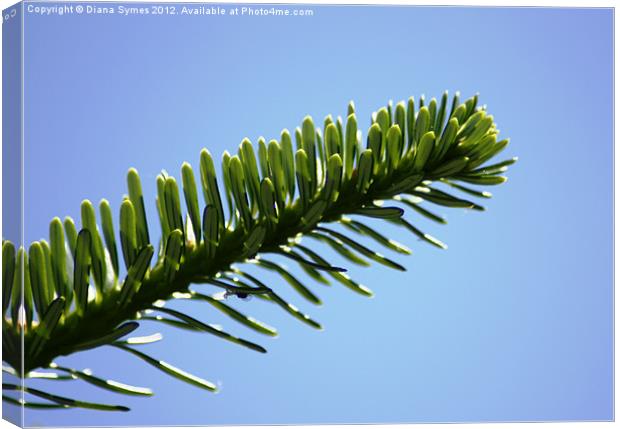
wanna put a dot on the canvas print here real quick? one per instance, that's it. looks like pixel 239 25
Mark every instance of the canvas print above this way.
pixel 229 214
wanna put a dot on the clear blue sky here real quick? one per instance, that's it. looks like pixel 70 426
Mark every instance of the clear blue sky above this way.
pixel 512 322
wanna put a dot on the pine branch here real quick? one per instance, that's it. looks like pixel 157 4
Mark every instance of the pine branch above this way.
pixel 75 297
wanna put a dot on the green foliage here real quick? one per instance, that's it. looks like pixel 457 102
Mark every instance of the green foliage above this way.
pixel 69 295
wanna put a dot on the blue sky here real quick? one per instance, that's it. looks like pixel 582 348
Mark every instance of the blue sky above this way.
pixel 513 322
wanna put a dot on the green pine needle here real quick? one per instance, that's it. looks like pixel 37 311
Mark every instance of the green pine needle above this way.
pixel 275 194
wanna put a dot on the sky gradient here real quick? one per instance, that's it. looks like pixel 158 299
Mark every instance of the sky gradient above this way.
pixel 512 323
